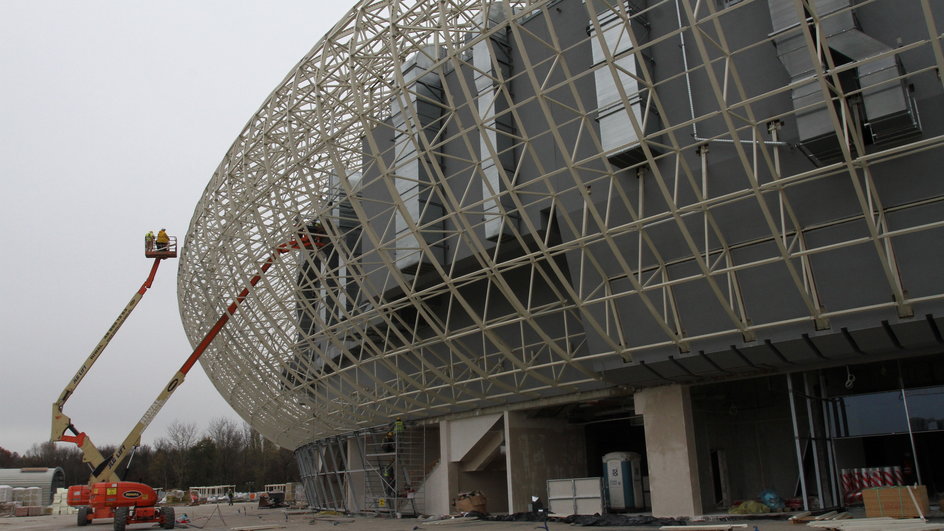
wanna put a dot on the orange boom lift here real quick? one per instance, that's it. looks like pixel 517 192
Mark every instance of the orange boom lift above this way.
pixel 106 495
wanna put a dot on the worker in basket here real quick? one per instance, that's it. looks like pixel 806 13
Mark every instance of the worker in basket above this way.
pixel 149 241
pixel 162 240
pixel 319 235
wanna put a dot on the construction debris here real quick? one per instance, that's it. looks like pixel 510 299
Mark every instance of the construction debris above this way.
pixel 707 527
pixel 877 524
pixel 806 517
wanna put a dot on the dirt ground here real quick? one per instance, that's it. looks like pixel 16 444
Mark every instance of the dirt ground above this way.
pixel 247 517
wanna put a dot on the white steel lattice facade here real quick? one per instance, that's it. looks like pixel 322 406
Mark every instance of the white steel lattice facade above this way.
pixel 536 199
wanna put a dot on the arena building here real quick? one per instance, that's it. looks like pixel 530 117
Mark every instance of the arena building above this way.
pixel 708 232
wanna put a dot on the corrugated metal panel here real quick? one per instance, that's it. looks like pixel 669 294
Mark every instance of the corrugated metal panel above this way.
pixel 617 132
pixel 423 87
pixel 48 479
pixel 486 55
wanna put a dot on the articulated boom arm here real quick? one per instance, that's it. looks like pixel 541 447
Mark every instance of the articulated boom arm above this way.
pixel 60 421
pixel 106 469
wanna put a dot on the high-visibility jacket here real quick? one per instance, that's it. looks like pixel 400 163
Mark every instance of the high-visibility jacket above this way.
pixel 162 237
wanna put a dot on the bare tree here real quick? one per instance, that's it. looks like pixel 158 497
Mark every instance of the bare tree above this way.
pixel 228 438
pixel 181 436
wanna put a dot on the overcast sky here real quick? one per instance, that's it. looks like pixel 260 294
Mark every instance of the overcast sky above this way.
pixel 113 116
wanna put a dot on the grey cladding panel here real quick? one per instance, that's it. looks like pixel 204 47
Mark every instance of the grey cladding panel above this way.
pixel 920 257
pixel 760 285
pixel 700 310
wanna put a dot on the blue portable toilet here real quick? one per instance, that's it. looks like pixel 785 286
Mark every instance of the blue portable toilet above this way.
pixel 623 483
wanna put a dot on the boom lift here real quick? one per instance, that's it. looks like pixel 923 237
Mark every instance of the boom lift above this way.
pixel 106 495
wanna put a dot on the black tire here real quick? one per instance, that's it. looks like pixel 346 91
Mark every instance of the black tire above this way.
pixel 121 518
pixel 167 517
pixel 82 516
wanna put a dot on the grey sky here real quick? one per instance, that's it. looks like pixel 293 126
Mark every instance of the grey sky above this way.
pixel 113 116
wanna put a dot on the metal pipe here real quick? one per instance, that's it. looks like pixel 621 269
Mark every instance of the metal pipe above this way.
pixel 796 442
pixel 815 445
pixel 703 151
pixel 914 450
pixel 830 447
pixel 691 102
pixel 743 141
pixel 688 81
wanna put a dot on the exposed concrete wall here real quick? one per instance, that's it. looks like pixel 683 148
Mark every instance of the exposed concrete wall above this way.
pixel 467 432
pixel 435 491
pixel 750 422
pixel 537 450
pixel 443 476
pixel 670 448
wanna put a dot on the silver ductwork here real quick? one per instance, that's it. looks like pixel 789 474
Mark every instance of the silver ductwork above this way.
pixel 492 60
pixel 618 135
pixel 416 112
pixel 888 109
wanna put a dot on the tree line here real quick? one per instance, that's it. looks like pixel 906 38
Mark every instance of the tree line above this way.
pixel 224 454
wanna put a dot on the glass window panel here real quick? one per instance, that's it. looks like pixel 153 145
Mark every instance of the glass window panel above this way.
pixel 926 408
pixel 873 414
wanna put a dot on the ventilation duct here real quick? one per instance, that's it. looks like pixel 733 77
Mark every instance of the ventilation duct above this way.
pixel 617 132
pixel 416 116
pixel 492 61
pixel 888 108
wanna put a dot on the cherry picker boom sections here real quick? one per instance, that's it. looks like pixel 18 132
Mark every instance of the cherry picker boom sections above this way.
pixel 60 421
pixel 106 495
pixel 107 468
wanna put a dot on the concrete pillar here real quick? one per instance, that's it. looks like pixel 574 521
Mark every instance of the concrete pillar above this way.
pixel 355 483
pixel 670 449
pixel 443 481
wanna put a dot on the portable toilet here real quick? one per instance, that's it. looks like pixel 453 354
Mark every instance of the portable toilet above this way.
pixel 623 484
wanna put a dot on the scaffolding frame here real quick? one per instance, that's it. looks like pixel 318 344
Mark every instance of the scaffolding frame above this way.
pixel 367 471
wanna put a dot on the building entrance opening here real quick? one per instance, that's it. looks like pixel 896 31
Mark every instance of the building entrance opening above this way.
pixel 887 424
pixel 744 441
pixel 616 452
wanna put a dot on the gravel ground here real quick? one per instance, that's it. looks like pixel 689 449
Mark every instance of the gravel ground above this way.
pixel 247 517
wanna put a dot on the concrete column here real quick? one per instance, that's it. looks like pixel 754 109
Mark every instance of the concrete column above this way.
pixel 355 483
pixel 443 481
pixel 670 449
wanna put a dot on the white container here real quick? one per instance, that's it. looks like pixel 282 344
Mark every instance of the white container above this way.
pixel 6 493
pixel 19 495
pixel 34 496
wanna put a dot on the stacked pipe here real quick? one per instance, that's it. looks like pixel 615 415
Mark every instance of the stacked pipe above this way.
pixel 854 480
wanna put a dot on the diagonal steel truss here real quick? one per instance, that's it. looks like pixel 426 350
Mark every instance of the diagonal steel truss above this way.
pixel 342 339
